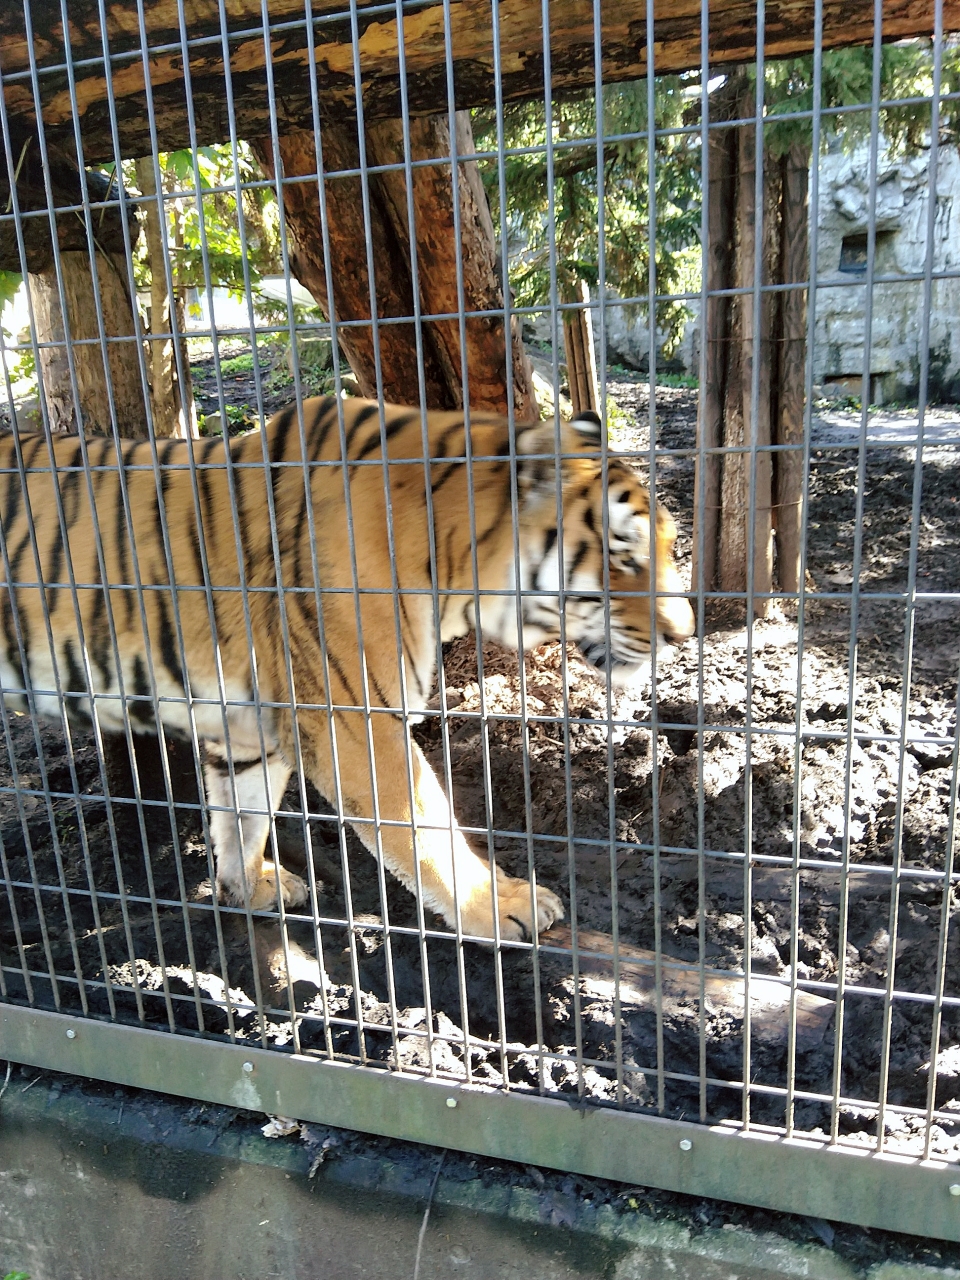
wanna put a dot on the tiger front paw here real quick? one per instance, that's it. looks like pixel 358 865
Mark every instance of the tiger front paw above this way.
pixel 263 895
pixel 514 911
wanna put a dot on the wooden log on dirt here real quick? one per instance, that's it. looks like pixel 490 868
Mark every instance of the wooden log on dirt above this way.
pixel 679 981
pixel 189 66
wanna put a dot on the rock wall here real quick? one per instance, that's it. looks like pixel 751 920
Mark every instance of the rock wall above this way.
pixel 897 332
pixel 897 335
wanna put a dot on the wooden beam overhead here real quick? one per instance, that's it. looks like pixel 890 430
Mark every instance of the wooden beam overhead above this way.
pixel 190 65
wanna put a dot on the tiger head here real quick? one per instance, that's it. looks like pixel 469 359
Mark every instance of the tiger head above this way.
pixel 595 509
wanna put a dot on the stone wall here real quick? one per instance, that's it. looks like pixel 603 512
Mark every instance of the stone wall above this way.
pixel 902 211
pixel 902 203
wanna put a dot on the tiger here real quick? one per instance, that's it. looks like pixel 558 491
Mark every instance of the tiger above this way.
pixel 282 596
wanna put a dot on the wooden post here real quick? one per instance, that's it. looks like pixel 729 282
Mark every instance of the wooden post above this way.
pixel 735 330
pixel 789 380
pixel 174 413
pixel 437 258
pixel 745 422
pixel 581 356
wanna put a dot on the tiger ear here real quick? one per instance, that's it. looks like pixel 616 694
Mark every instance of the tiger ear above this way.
pixel 589 426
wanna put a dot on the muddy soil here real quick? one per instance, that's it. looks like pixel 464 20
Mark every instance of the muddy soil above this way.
pixel 610 809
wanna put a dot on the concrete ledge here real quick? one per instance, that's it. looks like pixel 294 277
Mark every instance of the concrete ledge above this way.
pixel 98 1183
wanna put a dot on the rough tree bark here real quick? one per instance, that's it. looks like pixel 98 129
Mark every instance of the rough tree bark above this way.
pixel 436 245
pixel 59 181
pixel 172 398
pixel 790 365
pixel 789 31
pixel 737 330
pixel 97 381
pixel 66 192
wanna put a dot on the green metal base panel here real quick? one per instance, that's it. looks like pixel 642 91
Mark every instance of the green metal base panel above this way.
pixel 762 1168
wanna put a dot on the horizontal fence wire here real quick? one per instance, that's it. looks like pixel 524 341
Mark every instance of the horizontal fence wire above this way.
pixel 726 884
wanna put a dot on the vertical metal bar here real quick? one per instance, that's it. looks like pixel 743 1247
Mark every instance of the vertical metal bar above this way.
pixel 561 569
pixel 84 654
pixel 398 642
pixel 700 586
pixel 134 560
pixel 598 91
pixel 911 600
pixel 161 509
pixel 515 523
pixel 468 450
pixel 757 318
pixel 813 273
pixel 857 560
pixel 435 598
pixel 238 541
pixel 338 391
pixel 337 798
pixel 28 695
pixel 652 463
pixel 108 607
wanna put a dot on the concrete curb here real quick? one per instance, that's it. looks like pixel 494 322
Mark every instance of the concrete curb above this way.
pixel 102 1184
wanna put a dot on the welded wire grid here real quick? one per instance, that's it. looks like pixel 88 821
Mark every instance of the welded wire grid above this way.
pixel 216 985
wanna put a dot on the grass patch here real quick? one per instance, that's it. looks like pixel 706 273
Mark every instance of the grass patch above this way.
pixel 237 364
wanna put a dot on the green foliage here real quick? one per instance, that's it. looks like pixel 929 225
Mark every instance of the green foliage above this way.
pixel 237 364
pixel 572 231
pixel 10 282
pixel 240 419
pixel 621 425
pixel 16 1275
pixel 563 241
pixel 906 71
pixel 205 215
pixel 25 368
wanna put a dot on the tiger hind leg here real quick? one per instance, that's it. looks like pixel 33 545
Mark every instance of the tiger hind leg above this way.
pixel 240 826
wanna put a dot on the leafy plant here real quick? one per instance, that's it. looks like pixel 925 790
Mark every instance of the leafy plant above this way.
pixel 237 364
pixel 10 282
pixel 210 234
pixel 906 72
pixel 560 238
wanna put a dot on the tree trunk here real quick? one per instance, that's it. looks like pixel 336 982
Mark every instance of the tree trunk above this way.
pixel 581 357
pixel 737 330
pixel 95 379
pixel 747 423
pixel 789 382
pixel 172 401
pixel 436 257
pixel 715 337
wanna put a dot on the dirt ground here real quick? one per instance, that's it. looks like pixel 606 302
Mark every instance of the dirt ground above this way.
pixel 619 802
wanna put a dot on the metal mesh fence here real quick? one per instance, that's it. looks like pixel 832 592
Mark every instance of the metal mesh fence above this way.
pixel 753 842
